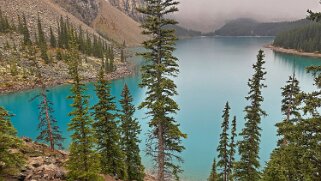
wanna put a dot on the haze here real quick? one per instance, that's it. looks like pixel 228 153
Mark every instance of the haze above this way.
pixel 208 15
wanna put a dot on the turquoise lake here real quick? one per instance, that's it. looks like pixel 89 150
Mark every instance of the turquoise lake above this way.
pixel 212 71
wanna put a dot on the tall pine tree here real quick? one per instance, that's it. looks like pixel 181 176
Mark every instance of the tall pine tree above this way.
pixel 122 52
pixel 213 175
pixel 164 140
pixel 83 163
pixel 284 163
pixel 25 31
pixel 49 130
pixel 290 108
pixel 248 166
pixel 130 129
pixel 107 131
pixel 232 150
pixel 53 41
pixel 42 44
pixel 222 148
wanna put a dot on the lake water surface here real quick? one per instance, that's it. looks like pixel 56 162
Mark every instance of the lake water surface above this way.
pixel 212 71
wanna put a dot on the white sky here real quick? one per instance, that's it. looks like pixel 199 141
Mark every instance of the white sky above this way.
pixel 207 15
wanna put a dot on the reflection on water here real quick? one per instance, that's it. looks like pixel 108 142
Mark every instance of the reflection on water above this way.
pixel 296 63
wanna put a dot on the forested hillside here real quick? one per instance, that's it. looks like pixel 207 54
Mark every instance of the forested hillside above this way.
pixel 307 38
pixel 185 33
pixel 250 27
pixel 33 42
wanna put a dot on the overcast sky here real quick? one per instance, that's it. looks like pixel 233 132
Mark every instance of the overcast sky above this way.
pixel 207 15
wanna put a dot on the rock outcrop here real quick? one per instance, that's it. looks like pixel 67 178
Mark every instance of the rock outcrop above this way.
pixel 85 10
pixel 118 26
pixel 43 164
pixel 129 7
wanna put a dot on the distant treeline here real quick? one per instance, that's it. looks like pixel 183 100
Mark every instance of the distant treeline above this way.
pixel 249 27
pixel 307 38
pixel 182 32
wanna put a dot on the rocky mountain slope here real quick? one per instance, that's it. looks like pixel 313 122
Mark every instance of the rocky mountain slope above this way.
pixel 108 18
pixel 48 10
pixel 18 69
pixel 128 7
pixel 116 25
pixel 18 72
pixel 85 10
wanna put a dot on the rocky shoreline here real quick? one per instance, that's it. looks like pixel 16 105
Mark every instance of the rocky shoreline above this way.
pixel 122 70
pixel 293 51
pixel 43 164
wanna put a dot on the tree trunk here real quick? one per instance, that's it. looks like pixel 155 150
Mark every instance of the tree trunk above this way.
pixel 161 154
pixel 51 139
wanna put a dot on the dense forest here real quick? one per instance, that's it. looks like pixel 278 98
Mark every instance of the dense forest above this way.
pixel 250 27
pixel 307 38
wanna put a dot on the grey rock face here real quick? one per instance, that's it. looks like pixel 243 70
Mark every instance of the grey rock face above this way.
pixel 129 7
pixel 85 10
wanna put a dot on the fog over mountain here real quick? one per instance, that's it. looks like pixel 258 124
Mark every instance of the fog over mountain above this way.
pixel 207 15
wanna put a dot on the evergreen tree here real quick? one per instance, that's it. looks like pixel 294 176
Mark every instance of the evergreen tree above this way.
pixel 213 176
pixel 83 163
pixel 88 45
pixel 81 41
pixel 297 154
pixel 290 108
pixel 10 162
pixel 130 129
pixel 20 26
pixel 42 44
pixel 122 53
pixel 164 140
pixel 25 32
pixel 107 132
pixel 5 26
pixel 49 130
pixel 314 16
pixel 247 167
pixel 36 38
pixel 222 148
pixel 232 150
pixel 13 25
pixel 53 41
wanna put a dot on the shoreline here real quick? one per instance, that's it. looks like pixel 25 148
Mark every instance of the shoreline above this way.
pixel 293 51
pixel 122 71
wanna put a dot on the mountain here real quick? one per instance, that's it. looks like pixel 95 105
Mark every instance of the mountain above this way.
pixel 250 27
pixel 48 10
pixel 84 10
pixel 116 25
pixel 108 18
pixel 18 69
pixel 128 7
